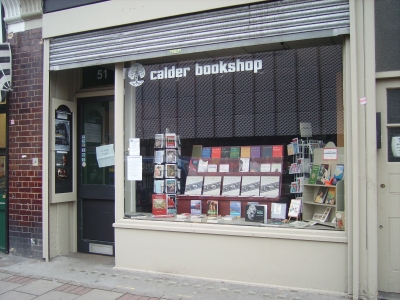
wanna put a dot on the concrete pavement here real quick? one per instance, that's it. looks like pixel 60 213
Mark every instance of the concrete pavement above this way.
pixel 87 276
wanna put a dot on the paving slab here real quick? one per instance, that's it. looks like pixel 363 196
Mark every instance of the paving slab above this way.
pixel 100 295
pixel 53 295
pixel 13 295
pixel 8 286
pixel 4 275
pixel 39 287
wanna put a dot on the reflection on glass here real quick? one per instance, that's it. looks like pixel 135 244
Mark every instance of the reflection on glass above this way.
pixel 394 144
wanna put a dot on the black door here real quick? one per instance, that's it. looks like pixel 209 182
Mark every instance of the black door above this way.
pixel 95 175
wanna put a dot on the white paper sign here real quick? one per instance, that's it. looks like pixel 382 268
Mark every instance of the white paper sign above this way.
pixel 330 154
pixel 134 168
pixel 134 147
pixel 105 155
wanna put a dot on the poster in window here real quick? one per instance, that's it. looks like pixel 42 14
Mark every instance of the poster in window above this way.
pixel 63 135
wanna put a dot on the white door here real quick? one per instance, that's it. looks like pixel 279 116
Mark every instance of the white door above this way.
pixel 388 103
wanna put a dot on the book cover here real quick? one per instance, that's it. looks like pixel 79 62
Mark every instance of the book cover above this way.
pixel 326 214
pixel 290 149
pixel 212 168
pixel 170 186
pixel 278 211
pixel 170 156
pixel 159 204
pixel 314 174
pixel 225 152
pixel 235 208
pixel 266 151
pixel 194 185
pixel 245 151
pixel 171 200
pixel 170 171
pixel 212 207
pixel 158 171
pixel 206 152
pixel 244 164
pixel 293 187
pixel 294 208
pixel 212 185
pixel 269 186
pixel 170 140
pixel 340 220
pixel 203 165
pixel 224 168
pixel 256 213
pixel 265 167
pixel 276 167
pixel 339 170
pixel 196 151
pixel 323 173
pixel 331 196
pixel 231 185
pixel 195 207
pixel 317 217
pixel 250 186
pixel 255 166
pixel 159 156
pixel 193 166
pixel 158 186
pixel 235 152
pixel 277 151
pixel 255 151
pixel 300 183
pixel 216 152
pixel 159 140
pixel 320 197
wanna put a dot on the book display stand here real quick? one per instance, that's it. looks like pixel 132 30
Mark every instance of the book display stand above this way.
pixel 167 175
pixel 233 173
pixel 323 211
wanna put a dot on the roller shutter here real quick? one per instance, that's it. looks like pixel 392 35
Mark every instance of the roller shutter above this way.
pixel 262 23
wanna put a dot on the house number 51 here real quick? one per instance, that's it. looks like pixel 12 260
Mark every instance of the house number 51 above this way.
pixel 102 74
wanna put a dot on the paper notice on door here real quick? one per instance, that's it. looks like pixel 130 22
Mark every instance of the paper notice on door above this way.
pixel 134 168
pixel 105 155
pixel 134 147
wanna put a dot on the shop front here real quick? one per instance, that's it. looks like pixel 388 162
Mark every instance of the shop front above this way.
pixel 236 78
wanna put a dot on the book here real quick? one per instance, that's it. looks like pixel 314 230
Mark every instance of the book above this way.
pixel 225 152
pixel 277 151
pixel 229 218
pixel 235 208
pixel 158 171
pixel 158 186
pixel 340 220
pixel 224 168
pixel 182 217
pixel 326 214
pixel 195 207
pixel 170 171
pixel 212 207
pixel 212 168
pixel 231 185
pixel 323 173
pixel 295 143
pixel 170 156
pixel 214 219
pixel 194 185
pixel 250 186
pixel 265 167
pixel 339 170
pixel 254 166
pixel 235 152
pixel 294 208
pixel 170 186
pixel 314 174
pixel 159 204
pixel 193 166
pixel 300 184
pixel 331 196
pixel 255 151
pixel 206 152
pixel 278 211
pixel 170 140
pixel 276 167
pixel 159 156
pixel 290 149
pixel 203 166
pixel 216 152
pixel 212 185
pixel 256 213
pixel 269 186
pixel 245 151
pixel 317 217
pixel 196 151
pixel 244 164
pixel 320 197
pixel 198 218
pixel 159 140
pixel 266 151
pixel 293 187
pixel 171 200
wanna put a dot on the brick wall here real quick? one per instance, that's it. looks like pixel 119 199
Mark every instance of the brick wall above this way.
pixel 25 143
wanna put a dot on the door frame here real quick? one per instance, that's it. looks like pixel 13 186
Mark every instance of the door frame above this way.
pixel 4 108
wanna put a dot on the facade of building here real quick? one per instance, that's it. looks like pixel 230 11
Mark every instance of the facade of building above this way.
pixel 230 73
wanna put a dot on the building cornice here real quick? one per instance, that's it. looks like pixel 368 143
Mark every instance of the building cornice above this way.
pixel 22 15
